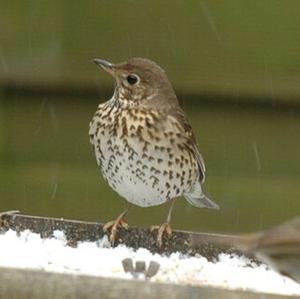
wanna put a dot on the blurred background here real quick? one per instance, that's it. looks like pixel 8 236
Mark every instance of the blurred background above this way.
pixel 235 66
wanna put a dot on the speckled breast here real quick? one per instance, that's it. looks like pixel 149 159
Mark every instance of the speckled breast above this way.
pixel 142 155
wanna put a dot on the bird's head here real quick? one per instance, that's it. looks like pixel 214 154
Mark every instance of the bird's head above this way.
pixel 140 80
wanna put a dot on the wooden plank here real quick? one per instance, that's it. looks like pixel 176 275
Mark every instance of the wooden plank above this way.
pixel 208 245
pixel 15 284
pixel 40 284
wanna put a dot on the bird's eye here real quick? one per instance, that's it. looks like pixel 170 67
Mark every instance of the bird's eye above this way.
pixel 132 79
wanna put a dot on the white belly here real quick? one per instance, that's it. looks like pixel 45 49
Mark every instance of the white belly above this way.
pixel 147 172
pixel 134 177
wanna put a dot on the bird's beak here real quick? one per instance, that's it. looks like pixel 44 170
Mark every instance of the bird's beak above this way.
pixel 107 66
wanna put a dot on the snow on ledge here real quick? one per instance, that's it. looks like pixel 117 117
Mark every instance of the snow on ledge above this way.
pixel 28 250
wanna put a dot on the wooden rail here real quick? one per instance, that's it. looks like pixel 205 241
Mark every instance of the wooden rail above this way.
pixel 208 245
pixel 17 283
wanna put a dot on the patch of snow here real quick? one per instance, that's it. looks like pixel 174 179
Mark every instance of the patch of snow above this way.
pixel 28 250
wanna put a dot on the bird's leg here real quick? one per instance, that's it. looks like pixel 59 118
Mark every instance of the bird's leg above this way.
pixel 115 224
pixel 165 228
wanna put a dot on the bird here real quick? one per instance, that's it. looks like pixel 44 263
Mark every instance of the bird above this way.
pixel 279 247
pixel 144 143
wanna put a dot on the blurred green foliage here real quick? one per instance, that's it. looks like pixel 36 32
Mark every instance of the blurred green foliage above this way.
pixel 224 47
pixel 234 49
pixel 48 166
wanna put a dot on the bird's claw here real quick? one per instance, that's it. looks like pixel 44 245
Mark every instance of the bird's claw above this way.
pixel 113 226
pixel 164 229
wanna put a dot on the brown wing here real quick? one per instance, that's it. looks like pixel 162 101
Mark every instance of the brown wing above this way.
pixel 191 142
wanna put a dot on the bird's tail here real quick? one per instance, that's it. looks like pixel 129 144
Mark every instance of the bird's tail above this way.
pixel 201 201
pixel 198 199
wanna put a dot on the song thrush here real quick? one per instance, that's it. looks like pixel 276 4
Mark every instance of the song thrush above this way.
pixel 144 143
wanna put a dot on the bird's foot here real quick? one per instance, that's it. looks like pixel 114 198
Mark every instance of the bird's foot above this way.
pixel 114 225
pixel 164 229
pixel 7 213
